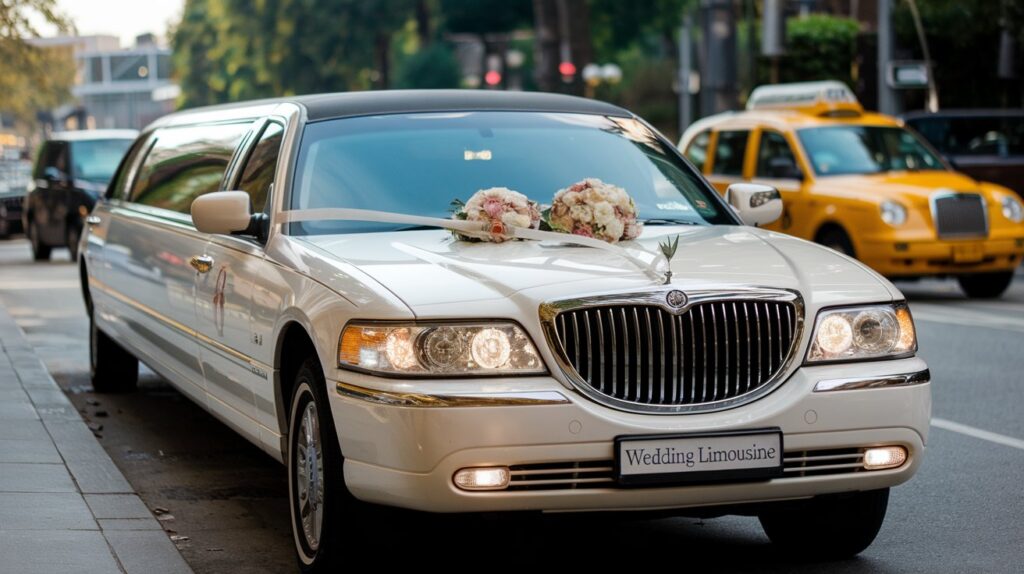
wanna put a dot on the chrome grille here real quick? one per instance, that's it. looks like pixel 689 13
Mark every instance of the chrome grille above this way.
pixel 960 215
pixel 649 357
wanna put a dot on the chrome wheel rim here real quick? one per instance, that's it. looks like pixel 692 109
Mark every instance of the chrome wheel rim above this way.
pixel 309 476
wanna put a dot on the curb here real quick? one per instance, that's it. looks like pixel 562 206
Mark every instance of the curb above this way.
pixel 64 505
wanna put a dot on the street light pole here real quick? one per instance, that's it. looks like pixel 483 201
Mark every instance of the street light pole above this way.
pixel 887 103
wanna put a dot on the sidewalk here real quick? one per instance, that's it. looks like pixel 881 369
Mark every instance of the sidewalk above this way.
pixel 64 506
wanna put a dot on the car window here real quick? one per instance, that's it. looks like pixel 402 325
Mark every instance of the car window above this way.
pixel 118 188
pixel 697 152
pixel 52 154
pixel 258 175
pixel 773 146
pixel 729 153
pixel 975 135
pixel 845 150
pixel 96 160
pixel 184 163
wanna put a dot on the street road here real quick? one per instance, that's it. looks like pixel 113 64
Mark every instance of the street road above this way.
pixel 961 513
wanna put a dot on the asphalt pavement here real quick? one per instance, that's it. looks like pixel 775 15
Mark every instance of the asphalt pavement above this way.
pixel 225 500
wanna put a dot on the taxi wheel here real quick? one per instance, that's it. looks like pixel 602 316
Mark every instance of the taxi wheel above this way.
pixel 837 239
pixel 112 369
pixel 325 518
pixel 986 285
pixel 828 528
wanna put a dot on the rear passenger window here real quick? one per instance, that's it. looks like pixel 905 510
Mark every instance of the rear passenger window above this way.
pixel 185 163
pixel 117 188
pixel 258 175
pixel 697 152
pixel 729 153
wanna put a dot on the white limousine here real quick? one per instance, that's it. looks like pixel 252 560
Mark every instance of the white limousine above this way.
pixel 463 301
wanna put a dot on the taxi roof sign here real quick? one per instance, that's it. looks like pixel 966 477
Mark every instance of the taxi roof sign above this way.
pixel 827 98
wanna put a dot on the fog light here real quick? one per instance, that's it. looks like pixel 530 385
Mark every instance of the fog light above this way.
pixel 884 457
pixel 493 478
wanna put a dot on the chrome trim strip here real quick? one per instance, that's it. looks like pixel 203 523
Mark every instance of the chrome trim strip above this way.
pixel 904 380
pixel 550 310
pixel 424 400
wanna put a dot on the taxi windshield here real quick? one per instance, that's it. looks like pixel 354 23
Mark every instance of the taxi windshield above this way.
pixel 847 150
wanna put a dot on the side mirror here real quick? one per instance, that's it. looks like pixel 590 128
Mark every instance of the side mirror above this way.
pixel 784 168
pixel 756 204
pixel 222 212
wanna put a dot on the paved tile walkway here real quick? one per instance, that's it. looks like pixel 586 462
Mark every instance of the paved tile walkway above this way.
pixel 64 506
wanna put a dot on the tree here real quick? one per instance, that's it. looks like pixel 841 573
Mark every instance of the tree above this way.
pixel 32 78
pixel 228 50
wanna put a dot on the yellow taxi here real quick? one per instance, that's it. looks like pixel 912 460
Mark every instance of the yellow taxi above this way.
pixel 863 184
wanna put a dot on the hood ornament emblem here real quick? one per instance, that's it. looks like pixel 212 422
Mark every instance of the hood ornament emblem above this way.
pixel 668 249
pixel 676 299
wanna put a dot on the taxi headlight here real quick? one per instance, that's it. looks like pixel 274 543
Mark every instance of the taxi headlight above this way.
pixel 438 349
pixel 893 213
pixel 870 332
pixel 1012 209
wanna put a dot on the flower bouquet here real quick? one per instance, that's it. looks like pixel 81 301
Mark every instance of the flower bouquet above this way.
pixel 499 208
pixel 593 208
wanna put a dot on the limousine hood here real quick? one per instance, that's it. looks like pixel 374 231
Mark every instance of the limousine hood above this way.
pixel 438 276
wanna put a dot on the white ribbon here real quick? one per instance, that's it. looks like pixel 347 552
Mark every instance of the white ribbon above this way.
pixel 471 228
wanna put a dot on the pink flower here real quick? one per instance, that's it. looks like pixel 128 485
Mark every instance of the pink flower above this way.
pixel 494 207
pixel 584 231
pixel 497 230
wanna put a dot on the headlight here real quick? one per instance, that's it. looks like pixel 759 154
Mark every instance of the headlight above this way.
pixel 893 213
pixel 855 333
pixel 1012 209
pixel 439 349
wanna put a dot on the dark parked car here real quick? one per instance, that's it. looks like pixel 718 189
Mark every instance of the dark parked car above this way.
pixel 15 176
pixel 987 144
pixel 71 172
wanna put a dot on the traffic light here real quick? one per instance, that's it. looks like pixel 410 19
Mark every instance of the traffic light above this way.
pixel 568 70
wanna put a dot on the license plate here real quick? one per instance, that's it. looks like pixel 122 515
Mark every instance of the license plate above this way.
pixel 968 253
pixel 699 457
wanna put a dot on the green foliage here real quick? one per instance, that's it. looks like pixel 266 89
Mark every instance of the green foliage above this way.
pixel 32 78
pixel 818 47
pixel 227 50
pixel 434 67
pixel 476 17
pixel 617 25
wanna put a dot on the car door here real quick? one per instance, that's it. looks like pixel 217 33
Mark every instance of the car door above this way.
pixel 236 381
pixel 728 158
pixel 151 244
pixel 776 165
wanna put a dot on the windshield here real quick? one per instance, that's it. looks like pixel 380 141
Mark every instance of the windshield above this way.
pixel 97 160
pixel 418 163
pixel 845 150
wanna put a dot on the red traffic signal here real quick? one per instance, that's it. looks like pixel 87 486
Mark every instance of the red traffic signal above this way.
pixel 567 69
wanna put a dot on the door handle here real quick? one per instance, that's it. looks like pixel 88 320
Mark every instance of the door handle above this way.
pixel 201 263
pixel 93 220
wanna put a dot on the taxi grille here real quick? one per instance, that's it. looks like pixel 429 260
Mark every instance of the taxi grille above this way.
pixel 645 355
pixel 960 215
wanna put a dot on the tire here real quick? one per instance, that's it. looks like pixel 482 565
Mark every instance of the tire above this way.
pixel 340 514
pixel 828 528
pixel 5 224
pixel 112 369
pixel 71 236
pixel 986 285
pixel 40 251
pixel 837 239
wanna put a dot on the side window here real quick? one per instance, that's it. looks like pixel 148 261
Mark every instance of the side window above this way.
pixel 184 163
pixel 729 153
pixel 52 154
pixel 118 185
pixel 775 158
pixel 697 152
pixel 258 175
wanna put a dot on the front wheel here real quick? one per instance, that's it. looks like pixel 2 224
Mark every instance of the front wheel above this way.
pixel 71 237
pixel 111 368
pixel 986 285
pixel 837 239
pixel 828 528
pixel 324 515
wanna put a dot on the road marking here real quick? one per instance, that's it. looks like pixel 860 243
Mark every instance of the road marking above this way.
pixel 978 433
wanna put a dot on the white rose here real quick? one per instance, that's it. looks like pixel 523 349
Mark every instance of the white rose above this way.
pixel 581 213
pixel 604 213
pixel 514 219
pixel 614 229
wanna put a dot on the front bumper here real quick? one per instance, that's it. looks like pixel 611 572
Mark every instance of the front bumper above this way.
pixel 896 258
pixel 406 455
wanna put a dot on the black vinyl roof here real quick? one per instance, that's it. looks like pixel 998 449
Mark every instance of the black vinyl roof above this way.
pixel 349 104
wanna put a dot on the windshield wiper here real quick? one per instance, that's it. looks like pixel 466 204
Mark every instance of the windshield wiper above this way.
pixel 668 222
